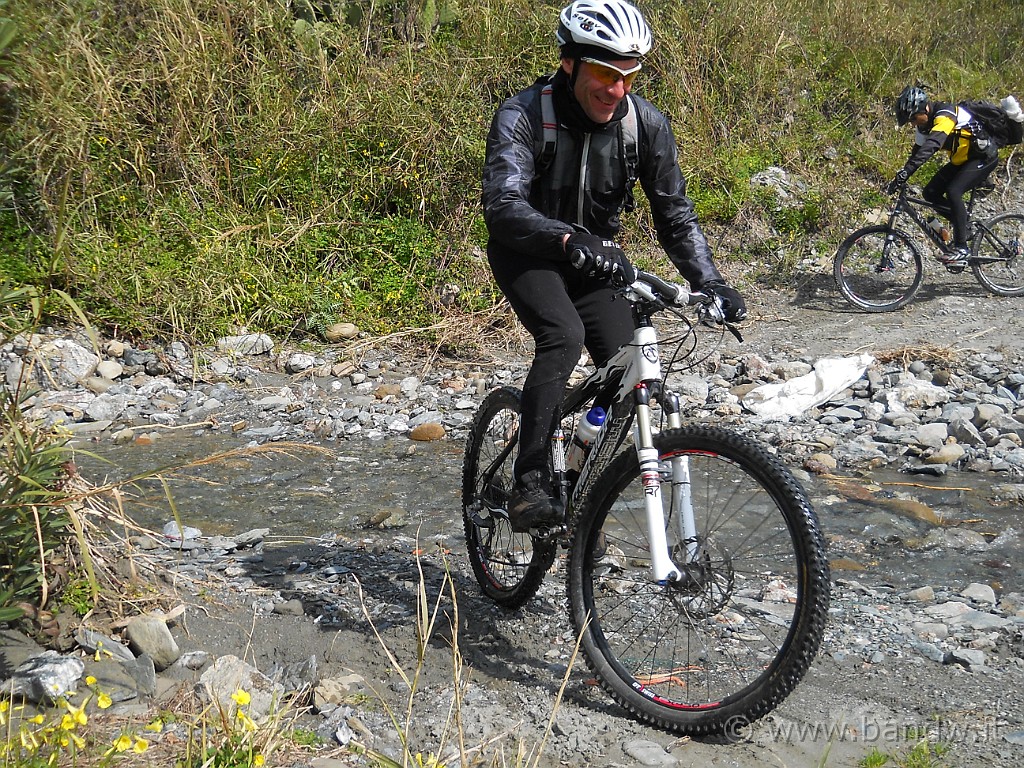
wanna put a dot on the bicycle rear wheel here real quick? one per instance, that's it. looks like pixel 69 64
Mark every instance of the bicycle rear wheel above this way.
pixel 878 269
pixel 725 645
pixel 509 566
pixel 997 260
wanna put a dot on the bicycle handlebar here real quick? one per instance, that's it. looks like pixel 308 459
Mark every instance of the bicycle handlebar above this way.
pixel 709 306
pixel 653 288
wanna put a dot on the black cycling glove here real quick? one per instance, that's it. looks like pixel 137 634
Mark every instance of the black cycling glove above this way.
pixel 596 257
pixel 897 181
pixel 733 306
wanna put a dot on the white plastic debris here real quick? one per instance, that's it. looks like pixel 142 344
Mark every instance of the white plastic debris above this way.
pixel 785 399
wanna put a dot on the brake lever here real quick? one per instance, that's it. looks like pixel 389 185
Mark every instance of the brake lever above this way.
pixel 734 330
pixel 712 315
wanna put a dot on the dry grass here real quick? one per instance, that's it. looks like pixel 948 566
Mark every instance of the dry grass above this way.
pixel 931 353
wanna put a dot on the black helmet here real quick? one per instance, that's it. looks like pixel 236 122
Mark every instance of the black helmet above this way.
pixel 909 103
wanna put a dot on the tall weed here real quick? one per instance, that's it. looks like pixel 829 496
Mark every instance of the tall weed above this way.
pixel 186 166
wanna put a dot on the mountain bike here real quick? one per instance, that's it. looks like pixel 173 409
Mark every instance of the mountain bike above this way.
pixel 880 268
pixel 697 577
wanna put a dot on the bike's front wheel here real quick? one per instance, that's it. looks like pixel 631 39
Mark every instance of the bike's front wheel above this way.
pixel 724 645
pixel 878 269
pixel 998 256
pixel 509 566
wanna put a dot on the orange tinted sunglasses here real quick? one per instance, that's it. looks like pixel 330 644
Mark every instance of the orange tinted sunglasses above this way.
pixel 608 75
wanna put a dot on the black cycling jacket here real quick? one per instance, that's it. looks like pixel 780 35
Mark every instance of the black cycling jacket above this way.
pixel 529 209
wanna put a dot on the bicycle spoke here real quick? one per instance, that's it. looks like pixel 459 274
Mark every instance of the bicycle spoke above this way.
pixel 693 652
pixel 878 269
pixel 509 566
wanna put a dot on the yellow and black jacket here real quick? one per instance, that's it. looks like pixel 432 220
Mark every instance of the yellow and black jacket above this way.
pixel 950 128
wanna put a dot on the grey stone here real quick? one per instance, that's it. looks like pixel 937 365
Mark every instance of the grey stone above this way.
pixel 148 634
pixel 45 678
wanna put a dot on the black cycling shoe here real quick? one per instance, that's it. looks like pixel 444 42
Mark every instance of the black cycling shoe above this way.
pixel 530 506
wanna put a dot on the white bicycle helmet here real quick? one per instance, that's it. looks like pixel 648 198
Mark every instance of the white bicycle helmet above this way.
pixel 613 25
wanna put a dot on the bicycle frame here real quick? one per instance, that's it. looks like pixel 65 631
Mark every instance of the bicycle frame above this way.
pixel 635 373
pixel 905 204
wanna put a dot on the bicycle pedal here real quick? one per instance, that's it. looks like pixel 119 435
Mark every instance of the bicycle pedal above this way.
pixel 955 269
pixel 548 533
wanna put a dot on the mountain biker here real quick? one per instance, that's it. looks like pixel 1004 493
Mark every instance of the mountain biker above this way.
pixel 972 157
pixel 552 227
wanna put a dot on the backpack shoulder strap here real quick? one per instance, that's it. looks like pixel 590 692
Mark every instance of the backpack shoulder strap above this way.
pixel 630 133
pixel 549 124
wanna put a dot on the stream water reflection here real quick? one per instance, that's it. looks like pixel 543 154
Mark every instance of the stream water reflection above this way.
pixel 882 526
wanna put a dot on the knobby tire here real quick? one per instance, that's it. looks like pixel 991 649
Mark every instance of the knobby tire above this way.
pixel 998 261
pixel 875 273
pixel 508 566
pixel 715 651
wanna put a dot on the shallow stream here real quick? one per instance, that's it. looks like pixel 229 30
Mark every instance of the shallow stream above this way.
pixel 882 526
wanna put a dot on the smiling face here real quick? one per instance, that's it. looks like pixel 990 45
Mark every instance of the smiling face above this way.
pixel 600 88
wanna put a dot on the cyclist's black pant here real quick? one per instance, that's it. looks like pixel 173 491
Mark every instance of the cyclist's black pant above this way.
pixel 946 192
pixel 564 311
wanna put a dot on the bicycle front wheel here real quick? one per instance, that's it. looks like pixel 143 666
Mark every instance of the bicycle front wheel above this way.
pixel 724 645
pixel 878 269
pixel 508 566
pixel 998 255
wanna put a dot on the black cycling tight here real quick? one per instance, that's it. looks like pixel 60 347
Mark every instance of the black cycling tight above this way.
pixel 946 192
pixel 563 311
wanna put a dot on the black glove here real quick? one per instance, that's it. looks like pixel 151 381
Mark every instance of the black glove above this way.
pixel 733 306
pixel 897 181
pixel 596 257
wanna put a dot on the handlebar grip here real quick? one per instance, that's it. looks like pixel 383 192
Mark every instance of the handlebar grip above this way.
pixel 673 293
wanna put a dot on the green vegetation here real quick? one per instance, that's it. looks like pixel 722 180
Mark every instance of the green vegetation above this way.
pixel 923 754
pixel 184 167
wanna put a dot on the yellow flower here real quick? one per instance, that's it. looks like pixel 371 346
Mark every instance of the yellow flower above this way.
pixel 90 680
pixel 79 741
pixel 141 745
pixel 77 713
pixel 38 719
pixel 67 723
pixel 247 722
pixel 155 727
pixel 103 701
pixel 122 742
pixel 241 697
pixel 258 760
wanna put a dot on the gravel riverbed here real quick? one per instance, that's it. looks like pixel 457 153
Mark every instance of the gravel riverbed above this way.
pixel 319 605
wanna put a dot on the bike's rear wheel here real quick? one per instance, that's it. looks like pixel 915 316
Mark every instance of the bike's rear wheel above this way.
pixel 509 566
pixel 878 269
pixel 726 645
pixel 998 257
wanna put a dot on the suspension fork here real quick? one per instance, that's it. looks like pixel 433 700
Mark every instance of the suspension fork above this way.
pixel 663 570
pixel 682 501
